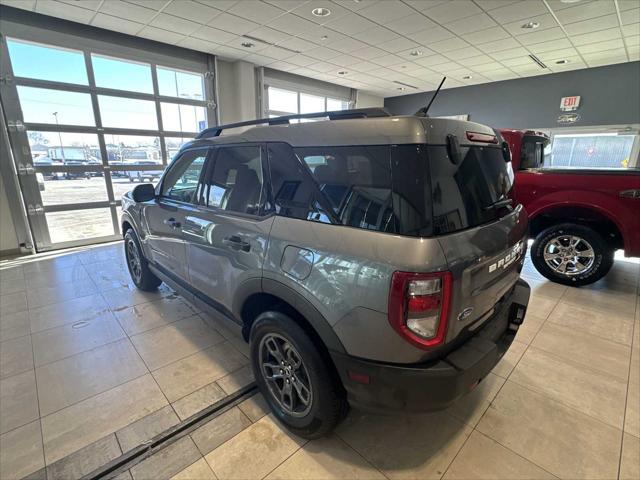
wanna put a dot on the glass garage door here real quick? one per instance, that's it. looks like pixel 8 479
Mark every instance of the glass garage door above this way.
pixel 85 127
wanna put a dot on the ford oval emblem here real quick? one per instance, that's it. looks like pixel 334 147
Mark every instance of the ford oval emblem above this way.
pixel 464 314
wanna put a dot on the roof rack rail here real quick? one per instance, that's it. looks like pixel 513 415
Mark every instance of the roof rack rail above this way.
pixel 285 120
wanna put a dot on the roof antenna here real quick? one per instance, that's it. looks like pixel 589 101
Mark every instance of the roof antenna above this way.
pixel 423 111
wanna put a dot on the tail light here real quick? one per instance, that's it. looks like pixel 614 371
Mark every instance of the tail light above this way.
pixel 419 306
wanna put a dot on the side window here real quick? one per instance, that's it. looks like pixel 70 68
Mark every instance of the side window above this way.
pixel 235 183
pixel 356 182
pixel 182 178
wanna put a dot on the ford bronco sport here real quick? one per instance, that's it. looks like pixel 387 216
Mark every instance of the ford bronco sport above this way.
pixel 368 259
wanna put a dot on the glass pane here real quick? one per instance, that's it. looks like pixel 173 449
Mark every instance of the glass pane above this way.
pixel 128 113
pixel 122 74
pixel 124 181
pixel 183 118
pixel 334 104
pixel 47 63
pixel 311 103
pixel 133 150
pixel 174 83
pixel 79 224
pixel 173 144
pixel 67 187
pixel 59 148
pixel 182 179
pixel 41 105
pixel 603 150
pixel 283 100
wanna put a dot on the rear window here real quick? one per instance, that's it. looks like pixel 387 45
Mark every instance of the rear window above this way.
pixel 411 190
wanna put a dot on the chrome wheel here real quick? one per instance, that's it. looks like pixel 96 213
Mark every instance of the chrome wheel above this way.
pixel 286 375
pixel 569 255
pixel 133 260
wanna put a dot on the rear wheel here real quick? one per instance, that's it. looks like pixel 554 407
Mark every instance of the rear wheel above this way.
pixel 294 378
pixel 571 254
pixel 138 266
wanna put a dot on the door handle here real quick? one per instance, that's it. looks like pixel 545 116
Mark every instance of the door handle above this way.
pixel 171 222
pixel 235 242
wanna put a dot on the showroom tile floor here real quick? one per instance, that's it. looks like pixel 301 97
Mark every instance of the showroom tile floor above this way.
pixel 91 368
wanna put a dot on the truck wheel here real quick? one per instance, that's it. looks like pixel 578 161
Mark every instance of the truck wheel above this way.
pixel 571 254
pixel 138 266
pixel 294 378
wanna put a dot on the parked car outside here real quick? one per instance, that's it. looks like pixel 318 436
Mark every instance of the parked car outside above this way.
pixel 578 217
pixel 142 175
pixel 386 277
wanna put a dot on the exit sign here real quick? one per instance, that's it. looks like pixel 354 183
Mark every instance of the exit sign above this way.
pixel 569 104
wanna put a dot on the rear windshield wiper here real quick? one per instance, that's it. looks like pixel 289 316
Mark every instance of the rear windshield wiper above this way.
pixel 505 202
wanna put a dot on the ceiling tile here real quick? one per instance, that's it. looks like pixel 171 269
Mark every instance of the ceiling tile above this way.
pixel 88 4
pixel 350 24
pixel 237 41
pixel 277 53
pixel 270 35
pixel 367 53
pixel 542 36
pixel 632 41
pixel 116 24
pixel 627 4
pixel 364 66
pixel 127 11
pixel 434 34
pixel 174 24
pixel 298 44
pixel 345 60
pixel 487 5
pixel 499 45
pixel 197 44
pixel 286 4
pixel 484 36
pixel 324 67
pixel 488 67
pixel 156 5
pixel 600 36
pixel 386 11
pixel 608 45
pixel 317 33
pixel 530 70
pixel 511 53
pixel 289 23
pixel 347 45
pixel 586 11
pixel 301 60
pixel 190 10
pixel 503 74
pixel 454 43
pixel 22 4
pixel 630 16
pixel 387 60
pixel 631 30
pixel 411 24
pixel 450 11
pixel 322 53
pixel 467 52
pixel 160 35
pixel 284 66
pixel 519 11
pixel 471 24
pixel 398 45
pixel 376 35
pixel 408 67
pixel 593 25
pixel 574 63
pixel 233 24
pixel 228 52
pixel 213 35
pixel 443 68
pixel 422 52
pixel 355 6
pixel 422 5
pixel 548 46
pixel 259 12
pixel 473 61
pixel 305 10
pixel 432 60
pixel 63 10
pixel 546 21
pixel 517 61
pixel 557 54
pixel 606 57
pixel 223 5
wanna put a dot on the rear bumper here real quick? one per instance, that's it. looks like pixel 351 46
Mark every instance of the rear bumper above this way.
pixel 439 383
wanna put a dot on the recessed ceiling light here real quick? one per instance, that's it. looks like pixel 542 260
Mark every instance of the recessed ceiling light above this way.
pixel 562 61
pixel 569 1
pixel 248 44
pixel 415 53
pixel 324 37
pixel 321 12
pixel 342 72
pixel 467 77
pixel 531 25
pixel 401 89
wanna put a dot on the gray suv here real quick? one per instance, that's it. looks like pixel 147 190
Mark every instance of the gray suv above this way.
pixel 369 260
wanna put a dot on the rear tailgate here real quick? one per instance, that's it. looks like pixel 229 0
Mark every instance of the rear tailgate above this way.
pixel 485 263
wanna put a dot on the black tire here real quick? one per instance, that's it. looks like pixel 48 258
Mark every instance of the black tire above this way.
pixel 602 258
pixel 328 405
pixel 143 278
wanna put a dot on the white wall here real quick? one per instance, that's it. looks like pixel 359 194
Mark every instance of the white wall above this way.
pixel 366 100
pixel 236 91
pixel 8 237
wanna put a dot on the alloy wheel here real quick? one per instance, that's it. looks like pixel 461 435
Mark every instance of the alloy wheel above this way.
pixel 286 375
pixel 569 255
pixel 133 259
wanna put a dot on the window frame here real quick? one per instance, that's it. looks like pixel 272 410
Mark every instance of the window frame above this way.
pixel 265 212
pixel 299 91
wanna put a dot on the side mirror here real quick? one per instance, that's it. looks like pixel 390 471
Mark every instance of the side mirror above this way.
pixel 453 149
pixel 506 152
pixel 143 192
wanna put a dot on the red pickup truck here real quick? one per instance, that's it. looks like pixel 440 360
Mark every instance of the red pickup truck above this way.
pixel 578 217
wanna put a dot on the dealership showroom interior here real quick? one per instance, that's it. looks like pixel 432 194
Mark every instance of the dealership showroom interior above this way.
pixel 451 290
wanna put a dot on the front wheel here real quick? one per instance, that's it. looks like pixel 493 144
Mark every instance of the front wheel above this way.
pixel 294 378
pixel 138 266
pixel 571 254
